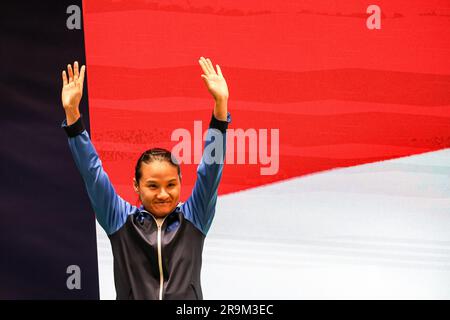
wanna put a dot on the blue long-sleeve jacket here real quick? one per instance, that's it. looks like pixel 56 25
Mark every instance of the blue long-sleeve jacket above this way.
pixel 152 262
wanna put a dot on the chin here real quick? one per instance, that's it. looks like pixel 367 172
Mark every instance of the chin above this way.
pixel 162 212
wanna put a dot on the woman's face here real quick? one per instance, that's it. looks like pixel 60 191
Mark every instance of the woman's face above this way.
pixel 159 187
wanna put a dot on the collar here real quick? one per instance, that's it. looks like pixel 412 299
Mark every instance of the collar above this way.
pixel 147 214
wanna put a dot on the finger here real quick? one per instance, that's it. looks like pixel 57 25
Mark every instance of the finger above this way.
pixel 205 62
pixel 211 66
pixel 219 71
pixel 69 68
pixel 75 69
pixel 203 66
pixel 83 69
pixel 205 78
pixel 64 78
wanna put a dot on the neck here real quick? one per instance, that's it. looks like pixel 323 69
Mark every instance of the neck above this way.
pixel 159 221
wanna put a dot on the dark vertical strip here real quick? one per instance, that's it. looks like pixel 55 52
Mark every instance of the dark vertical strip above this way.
pixel 46 222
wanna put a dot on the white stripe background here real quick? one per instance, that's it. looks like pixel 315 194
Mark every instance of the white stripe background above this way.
pixel 374 231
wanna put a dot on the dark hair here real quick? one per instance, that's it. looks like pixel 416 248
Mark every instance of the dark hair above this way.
pixel 155 154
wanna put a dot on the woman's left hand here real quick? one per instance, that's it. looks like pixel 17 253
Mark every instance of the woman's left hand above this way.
pixel 215 82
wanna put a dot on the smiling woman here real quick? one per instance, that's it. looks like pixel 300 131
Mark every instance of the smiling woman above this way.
pixel 158 246
pixel 158 181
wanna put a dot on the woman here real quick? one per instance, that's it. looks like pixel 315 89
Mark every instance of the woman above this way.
pixel 157 247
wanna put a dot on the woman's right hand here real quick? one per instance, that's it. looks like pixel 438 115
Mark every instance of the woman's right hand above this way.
pixel 72 91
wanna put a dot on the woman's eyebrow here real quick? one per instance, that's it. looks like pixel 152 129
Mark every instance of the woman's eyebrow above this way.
pixel 157 181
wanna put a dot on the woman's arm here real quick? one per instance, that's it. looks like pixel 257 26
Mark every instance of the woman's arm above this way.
pixel 110 209
pixel 201 205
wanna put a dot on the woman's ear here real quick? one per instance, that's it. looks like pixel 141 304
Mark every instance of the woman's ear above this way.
pixel 135 185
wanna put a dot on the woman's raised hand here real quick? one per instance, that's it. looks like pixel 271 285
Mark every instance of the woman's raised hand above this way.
pixel 72 91
pixel 215 82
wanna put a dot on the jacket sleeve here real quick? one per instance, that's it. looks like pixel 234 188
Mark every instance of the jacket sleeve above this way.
pixel 201 205
pixel 110 209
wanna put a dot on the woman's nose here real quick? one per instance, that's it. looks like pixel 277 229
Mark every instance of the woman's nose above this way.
pixel 163 193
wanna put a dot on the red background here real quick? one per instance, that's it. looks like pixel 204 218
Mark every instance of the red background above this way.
pixel 341 94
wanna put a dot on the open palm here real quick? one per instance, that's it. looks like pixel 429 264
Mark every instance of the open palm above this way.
pixel 215 82
pixel 72 89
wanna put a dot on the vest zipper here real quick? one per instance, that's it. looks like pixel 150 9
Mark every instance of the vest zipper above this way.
pixel 161 274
